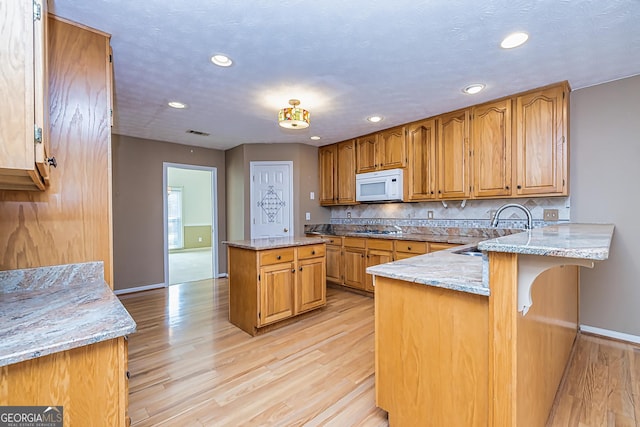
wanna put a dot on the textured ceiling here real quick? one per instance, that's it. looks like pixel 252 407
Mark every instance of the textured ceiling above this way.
pixel 345 60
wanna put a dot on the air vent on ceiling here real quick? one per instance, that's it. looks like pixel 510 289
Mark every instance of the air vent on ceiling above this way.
pixel 197 132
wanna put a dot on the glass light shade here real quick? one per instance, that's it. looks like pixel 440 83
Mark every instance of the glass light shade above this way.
pixel 293 118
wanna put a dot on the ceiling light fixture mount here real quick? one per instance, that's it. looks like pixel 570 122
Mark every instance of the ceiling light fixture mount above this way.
pixel 375 119
pixel 473 89
pixel 177 104
pixel 514 40
pixel 221 60
pixel 293 117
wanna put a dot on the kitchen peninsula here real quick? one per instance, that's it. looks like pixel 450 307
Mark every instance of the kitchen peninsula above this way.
pixel 274 279
pixel 477 341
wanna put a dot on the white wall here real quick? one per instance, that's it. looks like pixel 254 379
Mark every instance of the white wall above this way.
pixel 605 184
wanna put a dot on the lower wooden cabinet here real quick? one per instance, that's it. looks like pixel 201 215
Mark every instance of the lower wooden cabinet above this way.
pixel 267 286
pixel 435 247
pixel 379 251
pixel 90 382
pixel 354 262
pixel 406 249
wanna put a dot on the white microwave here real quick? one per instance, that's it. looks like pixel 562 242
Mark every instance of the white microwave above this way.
pixel 383 186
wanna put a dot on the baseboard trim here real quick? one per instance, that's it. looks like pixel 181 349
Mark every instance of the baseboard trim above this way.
pixel 610 334
pixel 139 289
pixel 222 275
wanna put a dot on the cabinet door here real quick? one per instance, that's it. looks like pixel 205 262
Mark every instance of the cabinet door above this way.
pixel 376 257
pixel 421 173
pixel 392 148
pixel 435 247
pixel 541 160
pixel 354 266
pixel 453 156
pixel 311 284
pixel 334 264
pixel 366 155
pixel 23 85
pixel 346 172
pixel 491 139
pixel 276 293
pixel 328 156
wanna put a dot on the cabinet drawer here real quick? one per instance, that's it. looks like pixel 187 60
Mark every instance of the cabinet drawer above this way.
pixel 333 240
pixel 311 251
pixel 355 242
pixel 382 244
pixel 411 247
pixel 434 247
pixel 275 256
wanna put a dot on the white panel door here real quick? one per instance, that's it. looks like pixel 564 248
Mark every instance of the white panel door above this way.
pixel 271 205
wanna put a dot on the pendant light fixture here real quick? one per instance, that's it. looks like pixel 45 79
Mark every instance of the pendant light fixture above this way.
pixel 293 117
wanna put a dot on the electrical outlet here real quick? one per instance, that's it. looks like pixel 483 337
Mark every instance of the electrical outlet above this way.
pixel 312 195
pixel 550 214
pixel 429 214
pixel 348 214
pixel 307 216
pixel 199 239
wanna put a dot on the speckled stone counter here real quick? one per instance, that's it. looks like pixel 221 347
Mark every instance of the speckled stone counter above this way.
pixel 273 242
pixel 448 269
pixel 51 309
pixel 583 241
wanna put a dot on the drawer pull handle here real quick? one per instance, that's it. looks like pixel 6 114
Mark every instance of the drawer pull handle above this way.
pixel 313 252
pixel 408 248
pixel 278 257
pixel 300 268
pixel 293 270
pixel 128 375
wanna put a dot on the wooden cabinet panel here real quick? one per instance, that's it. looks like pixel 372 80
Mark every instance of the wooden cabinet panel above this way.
pixel 392 148
pixel 421 172
pixel 311 284
pixel 23 77
pixel 88 381
pixel 376 257
pixel 491 139
pixel 328 158
pixel 355 242
pixel 541 161
pixel 334 264
pixel 276 292
pixel 354 267
pixel 453 155
pixel 381 244
pixel 346 176
pixel 311 251
pixel 366 156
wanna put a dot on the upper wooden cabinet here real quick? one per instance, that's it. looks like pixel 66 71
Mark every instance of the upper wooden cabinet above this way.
pixel 382 150
pixel 541 142
pixel 491 142
pixel 420 178
pixel 453 155
pixel 328 157
pixel 24 134
pixel 346 177
pixel 338 173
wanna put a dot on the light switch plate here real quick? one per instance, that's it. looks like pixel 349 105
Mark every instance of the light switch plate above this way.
pixel 312 195
pixel 550 214
pixel 307 216
pixel 429 214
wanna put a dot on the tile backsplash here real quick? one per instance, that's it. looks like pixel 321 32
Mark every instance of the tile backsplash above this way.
pixel 470 214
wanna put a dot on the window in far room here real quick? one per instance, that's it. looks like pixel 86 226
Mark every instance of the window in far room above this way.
pixel 174 213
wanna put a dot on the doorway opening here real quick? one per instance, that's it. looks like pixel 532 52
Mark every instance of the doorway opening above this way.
pixel 190 223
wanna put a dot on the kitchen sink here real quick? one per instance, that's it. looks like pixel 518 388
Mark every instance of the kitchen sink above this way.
pixel 474 251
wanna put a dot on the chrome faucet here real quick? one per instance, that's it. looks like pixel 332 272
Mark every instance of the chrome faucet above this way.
pixel 528 225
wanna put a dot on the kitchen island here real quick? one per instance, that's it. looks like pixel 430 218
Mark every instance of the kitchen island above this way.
pixel 481 340
pixel 62 343
pixel 272 280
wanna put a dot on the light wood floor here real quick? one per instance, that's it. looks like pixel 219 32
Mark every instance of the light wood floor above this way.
pixel 191 367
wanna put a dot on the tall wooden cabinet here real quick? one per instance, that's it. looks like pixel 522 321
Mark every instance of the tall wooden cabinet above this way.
pixel 24 134
pixel 386 149
pixel 541 142
pixel 491 142
pixel 421 175
pixel 338 173
pixel 453 155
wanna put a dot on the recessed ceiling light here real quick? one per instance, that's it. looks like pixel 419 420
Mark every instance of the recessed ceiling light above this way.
pixel 315 138
pixel 375 119
pixel 473 89
pixel 176 104
pixel 221 60
pixel 514 40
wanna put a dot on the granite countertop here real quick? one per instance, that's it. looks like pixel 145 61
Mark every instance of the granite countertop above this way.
pixel 274 242
pixel 51 309
pixel 448 269
pixel 420 237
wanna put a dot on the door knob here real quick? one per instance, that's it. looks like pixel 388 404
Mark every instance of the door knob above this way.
pixel 286 230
